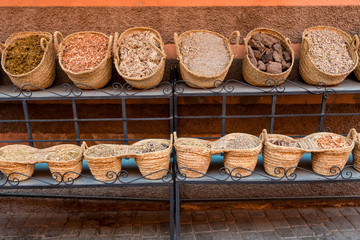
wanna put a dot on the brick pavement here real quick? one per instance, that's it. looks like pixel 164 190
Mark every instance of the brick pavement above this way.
pixel 301 223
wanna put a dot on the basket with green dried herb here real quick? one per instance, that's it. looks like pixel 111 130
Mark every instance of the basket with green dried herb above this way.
pixel 28 59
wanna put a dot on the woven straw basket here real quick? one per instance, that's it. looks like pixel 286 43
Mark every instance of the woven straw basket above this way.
pixel 152 79
pixel 196 158
pixel 204 81
pixel 308 70
pixel 276 157
pixel 357 69
pixel 259 78
pixel 97 77
pixel 327 162
pixel 12 168
pixel 240 158
pixel 43 75
pixel 154 165
pixel 104 168
pixel 356 151
pixel 68 169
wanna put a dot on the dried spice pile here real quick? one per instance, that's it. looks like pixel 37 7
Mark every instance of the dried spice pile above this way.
pixel 329 52
pixel 138 58
pixel 241 142
pixel 151 146
pixel 331 142
pixel 63 154
pixel 100 151
pixel 24 55
pixel 283 143
pixel 16 154
pixel 267 54
pixel 204 53
pixel 84 52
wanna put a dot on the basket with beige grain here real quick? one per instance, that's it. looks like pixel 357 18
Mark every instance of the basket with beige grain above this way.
pixel 241 152
pixel 281 154
pixel 152 156
pixel 204 57
pixel 193 156
pixel 17 162
pixel 64 161
pixel 43 75
pixel 356 151
pixel 90 67
pixel 104 160
pixel 252 74
pixel 327 55
pixel 142 63
pixel 329 151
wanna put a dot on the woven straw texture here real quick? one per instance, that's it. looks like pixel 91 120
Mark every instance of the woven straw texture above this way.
pixel 327 161
pixel 12 168
pixel 43 75
pixel 308 70
pixel 147 81
pixel 204 81
pixel 276 157
pixel 240 158
pixel 194 154
pixel 64 166
pixel 356 151
pixel 104 168
pixel 149 163
pixel 253 75
pixel 97 77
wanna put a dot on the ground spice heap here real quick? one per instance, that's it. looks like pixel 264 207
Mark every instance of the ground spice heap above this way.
pixel 63 155
pixel 331 142
pixel 24 55
pixel 84 52
pixel 151 146
pixel 15 154
pixel 267 54
pixel 100 151
pixel 283 143
pixel 204 54
pixel 138 58
pixel 241 142
pixel 328 51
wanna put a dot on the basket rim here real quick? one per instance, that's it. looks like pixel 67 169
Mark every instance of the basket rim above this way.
pixel 227 44
pixel 334 29
pixel 260 142
pixel 63 146
pixel 33 151
pixel 116 50
pixel 343 149
pixel 251 33
pixel 61 50
pixel 108 157
pixel 269 144
pixel 9 40
pixel 169 148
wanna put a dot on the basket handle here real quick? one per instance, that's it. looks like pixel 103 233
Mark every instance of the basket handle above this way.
pixel 116 36
pixel 58 35
pixel 151 42
pixel 355 42
pixel 175 136
pixel 288 41
pixel 177 47
pixel 84 146
pixel 264 134
pixel 237 39
pixel 108 53
pixel 352 134
pixel 306 44
pixel 44 44
pixel 2 47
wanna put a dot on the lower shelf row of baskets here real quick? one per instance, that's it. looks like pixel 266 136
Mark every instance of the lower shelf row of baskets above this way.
pixel 152 156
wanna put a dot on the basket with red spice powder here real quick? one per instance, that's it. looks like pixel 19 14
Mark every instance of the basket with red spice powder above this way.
pixel 85 57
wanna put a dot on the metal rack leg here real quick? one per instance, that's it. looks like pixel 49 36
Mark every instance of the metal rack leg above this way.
pixel 273 109
pixel 178 204
pixel 28 126
pixel 171 195
pixel 322 112
pixel 76 123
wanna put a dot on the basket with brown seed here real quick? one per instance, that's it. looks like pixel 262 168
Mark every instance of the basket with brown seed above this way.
pixel 139 57
pixel 152 156
pixel 281 154
pixel 28 59
pixel 193 156
pixel 327 55
pixel 205 57
pixel 241 152
pixel 85 57
pixel 268 55
pixel 17 162
pixel 64 161
pixel 329 151
pixel 104 160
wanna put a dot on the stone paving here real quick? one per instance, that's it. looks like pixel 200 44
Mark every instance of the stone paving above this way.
pixel 301 223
